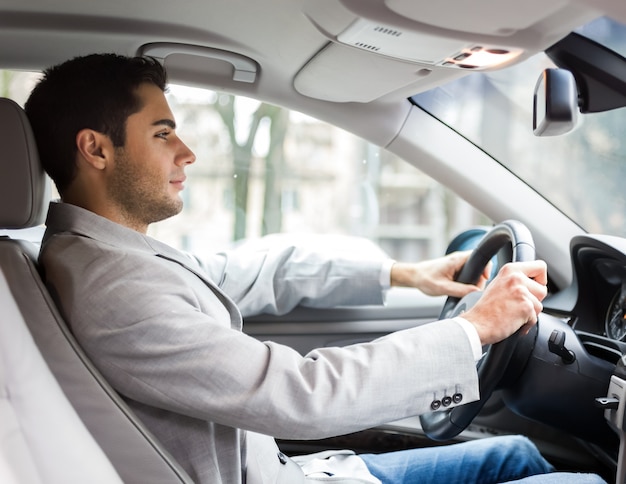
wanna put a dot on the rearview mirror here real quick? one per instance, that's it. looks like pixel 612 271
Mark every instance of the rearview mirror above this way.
pixel 555 103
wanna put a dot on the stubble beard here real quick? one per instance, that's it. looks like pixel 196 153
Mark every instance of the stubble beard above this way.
pixel 138 194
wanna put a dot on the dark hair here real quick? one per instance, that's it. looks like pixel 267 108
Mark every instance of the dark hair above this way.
pixel 98 92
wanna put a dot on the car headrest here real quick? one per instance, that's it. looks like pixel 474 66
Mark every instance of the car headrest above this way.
pixel 24 187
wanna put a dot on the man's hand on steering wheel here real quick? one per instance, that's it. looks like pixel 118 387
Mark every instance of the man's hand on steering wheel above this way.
pixel 510 302
pixel 436 277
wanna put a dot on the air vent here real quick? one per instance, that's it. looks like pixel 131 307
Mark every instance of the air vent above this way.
pixel 387 31
pixel 361 45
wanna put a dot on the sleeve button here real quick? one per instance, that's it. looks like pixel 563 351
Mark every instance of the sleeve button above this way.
pixel 446 401
pixel 457 397
pixel 435 404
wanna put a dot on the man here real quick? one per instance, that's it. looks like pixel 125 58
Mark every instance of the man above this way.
pixel 165 329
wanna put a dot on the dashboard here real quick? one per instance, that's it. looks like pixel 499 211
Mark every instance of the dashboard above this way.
pixel 585 321
pixel 595 303
pixel 615 314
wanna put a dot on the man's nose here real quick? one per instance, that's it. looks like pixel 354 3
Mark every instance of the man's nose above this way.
pixel 186 156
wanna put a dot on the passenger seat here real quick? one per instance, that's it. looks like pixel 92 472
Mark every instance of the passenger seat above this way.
pixel 135 454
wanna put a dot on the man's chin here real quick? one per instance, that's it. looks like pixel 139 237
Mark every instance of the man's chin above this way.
pixel 168 211
pixel 176 209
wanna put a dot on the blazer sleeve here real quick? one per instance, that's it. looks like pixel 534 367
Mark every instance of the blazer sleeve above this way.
pixel 274 281
pixel 168 342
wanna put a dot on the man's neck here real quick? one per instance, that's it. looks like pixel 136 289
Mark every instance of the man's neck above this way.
pixel 108 211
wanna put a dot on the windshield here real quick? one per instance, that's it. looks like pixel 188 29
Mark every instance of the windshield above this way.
pixel 582 173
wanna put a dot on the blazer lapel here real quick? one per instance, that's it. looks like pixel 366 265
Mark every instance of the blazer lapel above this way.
pixel 236 320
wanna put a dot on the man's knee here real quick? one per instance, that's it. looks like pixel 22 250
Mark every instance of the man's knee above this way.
pixel 520 449
pixel 518 443
pixel 513 444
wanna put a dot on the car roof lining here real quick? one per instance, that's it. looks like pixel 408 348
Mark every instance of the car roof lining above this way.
pixel 312 61
pixel 297 74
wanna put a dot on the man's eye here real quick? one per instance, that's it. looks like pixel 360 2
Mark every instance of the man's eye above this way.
pixel 163 135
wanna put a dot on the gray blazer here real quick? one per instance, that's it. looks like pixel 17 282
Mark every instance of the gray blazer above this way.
pixel 166 331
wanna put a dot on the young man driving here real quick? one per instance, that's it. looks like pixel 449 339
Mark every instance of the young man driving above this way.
pixel 165 329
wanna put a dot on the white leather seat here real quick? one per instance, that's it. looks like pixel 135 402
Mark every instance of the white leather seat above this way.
pixel 42 439
pixel 134 452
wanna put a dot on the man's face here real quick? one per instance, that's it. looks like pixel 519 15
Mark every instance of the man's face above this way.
pixel 148 173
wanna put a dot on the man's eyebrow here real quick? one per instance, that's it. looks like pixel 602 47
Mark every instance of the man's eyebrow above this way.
pixel 167 122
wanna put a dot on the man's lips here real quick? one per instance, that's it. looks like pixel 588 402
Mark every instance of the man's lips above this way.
pixel 179 182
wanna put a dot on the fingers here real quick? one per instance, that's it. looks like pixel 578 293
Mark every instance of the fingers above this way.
pixel 536 309
pixel 460 256
pixel 533 275
pixel 433 277
pixel 512 301
pixel 456 261
pixel 450 287
pixel 536 270
pixel 458 289
pixel 485 276
pixel 436 277
pixel 532 279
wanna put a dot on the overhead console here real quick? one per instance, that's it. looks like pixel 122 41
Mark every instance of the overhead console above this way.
pixel 410 46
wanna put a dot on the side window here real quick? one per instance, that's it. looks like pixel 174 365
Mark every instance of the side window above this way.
pixel 17 85
pixel 264 170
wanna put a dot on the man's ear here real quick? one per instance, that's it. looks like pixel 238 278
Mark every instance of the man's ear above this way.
pixel 94 147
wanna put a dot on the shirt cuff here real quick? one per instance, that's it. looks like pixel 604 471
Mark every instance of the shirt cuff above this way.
pixel 472 336
pixel 385 274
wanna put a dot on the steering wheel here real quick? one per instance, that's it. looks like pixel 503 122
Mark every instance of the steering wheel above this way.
pixel 512 242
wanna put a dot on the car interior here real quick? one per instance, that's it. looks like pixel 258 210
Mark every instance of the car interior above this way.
pixel 398 74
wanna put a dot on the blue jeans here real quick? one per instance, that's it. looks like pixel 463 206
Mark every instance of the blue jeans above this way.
pixel 485 461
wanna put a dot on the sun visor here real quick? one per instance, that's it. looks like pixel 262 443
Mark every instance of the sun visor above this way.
pixel 403 45
pixel 335 75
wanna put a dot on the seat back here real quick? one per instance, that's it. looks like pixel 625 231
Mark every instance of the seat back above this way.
pixel 42 440
pixel 134 452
